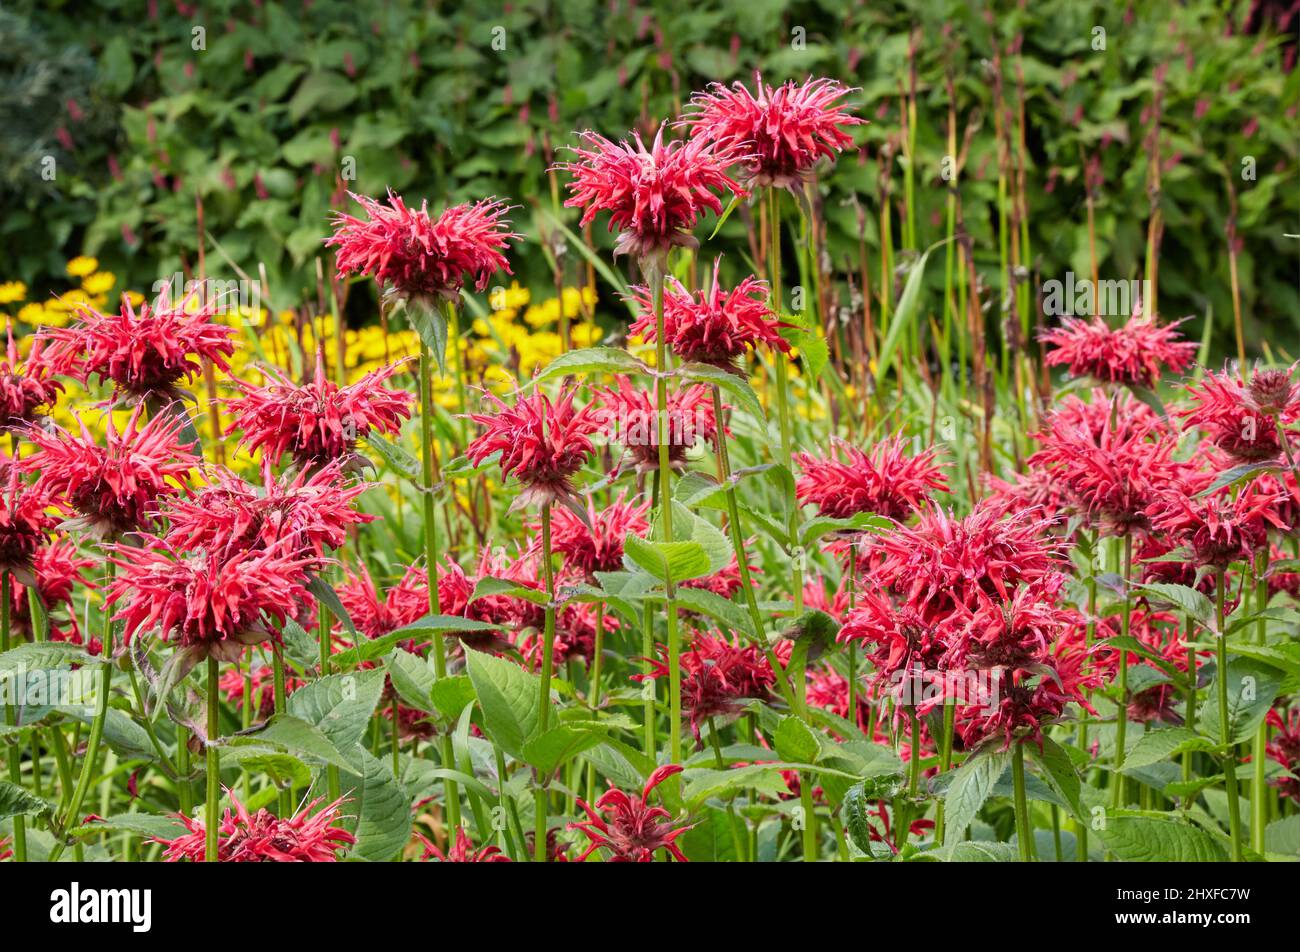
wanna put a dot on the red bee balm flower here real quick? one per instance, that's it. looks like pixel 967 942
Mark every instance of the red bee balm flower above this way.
pixel 1227 411
pixel 628 827
pixel 115 488
pixel 714 326
pixel 884 480
pixel 596 545
pixel 25 524
pixel 1131 354
pixel 308 513
pixel 212 603
pixel 463 851
pixel 25 389
pixel 262 837
pixel 542 444
pixel 631 417
pixel 716 677
pixel 417 257
pixel 148 354
pixel 654 196
pixel 786 129
pixel 318 422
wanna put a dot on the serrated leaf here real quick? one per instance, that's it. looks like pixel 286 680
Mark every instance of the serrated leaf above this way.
pixel 732 385
pixel 588 360
pixel 340 705
pixel 1155 746
pixel 412 678
pixel 1141 839
pixel 1252 688
pixel 666 561
pixel 972 783
pixel 508 697
pixel 795 740
pixel 383 814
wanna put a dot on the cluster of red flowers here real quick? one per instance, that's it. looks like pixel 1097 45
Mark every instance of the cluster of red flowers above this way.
pixel 25 389
pixel 262 837
pixel 1134 353
pixel 884 480
pixel 717 678
pixel 628 828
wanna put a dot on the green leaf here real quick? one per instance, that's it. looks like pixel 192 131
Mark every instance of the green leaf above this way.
pixel 588 360
pixel 820 526
pixel 340 705
pixel 909 307
pixel 395 455
pixel 450 695
pixel 703 783
pixel 43 656
pixel 383 814
pixel 1059 772
pixel 858 818
pixel 1155 746
pixel 1252 688
pixel 285 770
pixel 326 595
pixel 978 851
pixel 299 737
pixel 431 324
pixel 412 678
pixel 508 697
pixel 547 752
pixel 15 801
pixel 666 561
pixel 972 783
pixel 1144 839
pixel 720 609
pixel 146 825
pixel 500 586
pixel 731 384
pixel 1186 600
pixel 1236 474
pixel 1283 836
pixel 795 740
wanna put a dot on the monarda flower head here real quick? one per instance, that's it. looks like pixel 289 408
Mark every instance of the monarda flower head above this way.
pixel 943 562
pixel 1015 634
pixel 262 837
pixel 1226 410
pixel 308 512
pixel 717 678
pixel 596 544
pixel 210 603
pixel 146 355
pixel 542 444
pixel 1220 528
pixel 631 418
pixel 885 480
pixel 715 326
pixel 374 615
pixel 462 851
pixel 25 388
pixel 1284 749
pixel 418 258
pixel 318 422
pixel 898 640
pixel 25 524
pixel 1133 354
pixel 786 130
pixel 628 828
pixel 55 569
pixel 1112 477
pixel 654 196
pixel 115 488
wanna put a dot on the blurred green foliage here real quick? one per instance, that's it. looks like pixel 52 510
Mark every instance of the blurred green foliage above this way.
pixel 256 108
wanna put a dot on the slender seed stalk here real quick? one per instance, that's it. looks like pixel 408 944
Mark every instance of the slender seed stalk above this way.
pixel 1225 726
pixel 212 808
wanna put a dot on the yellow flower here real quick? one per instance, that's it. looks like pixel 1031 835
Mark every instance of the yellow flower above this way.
pixel 32 314
pixel 135 297
pixel 12 291
pixel 101 282
pixel 82 266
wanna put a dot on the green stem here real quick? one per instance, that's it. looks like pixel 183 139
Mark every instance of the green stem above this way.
pixel 544 701
pixel 1023 833
pixel 212 809
pixel 451 794
pixel 1225 724
pixel 1259 752
pixel 281 705
pixel 11 718
pixel 945 763
pixel 73 814
pixel 737 841
pixel 1121 722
